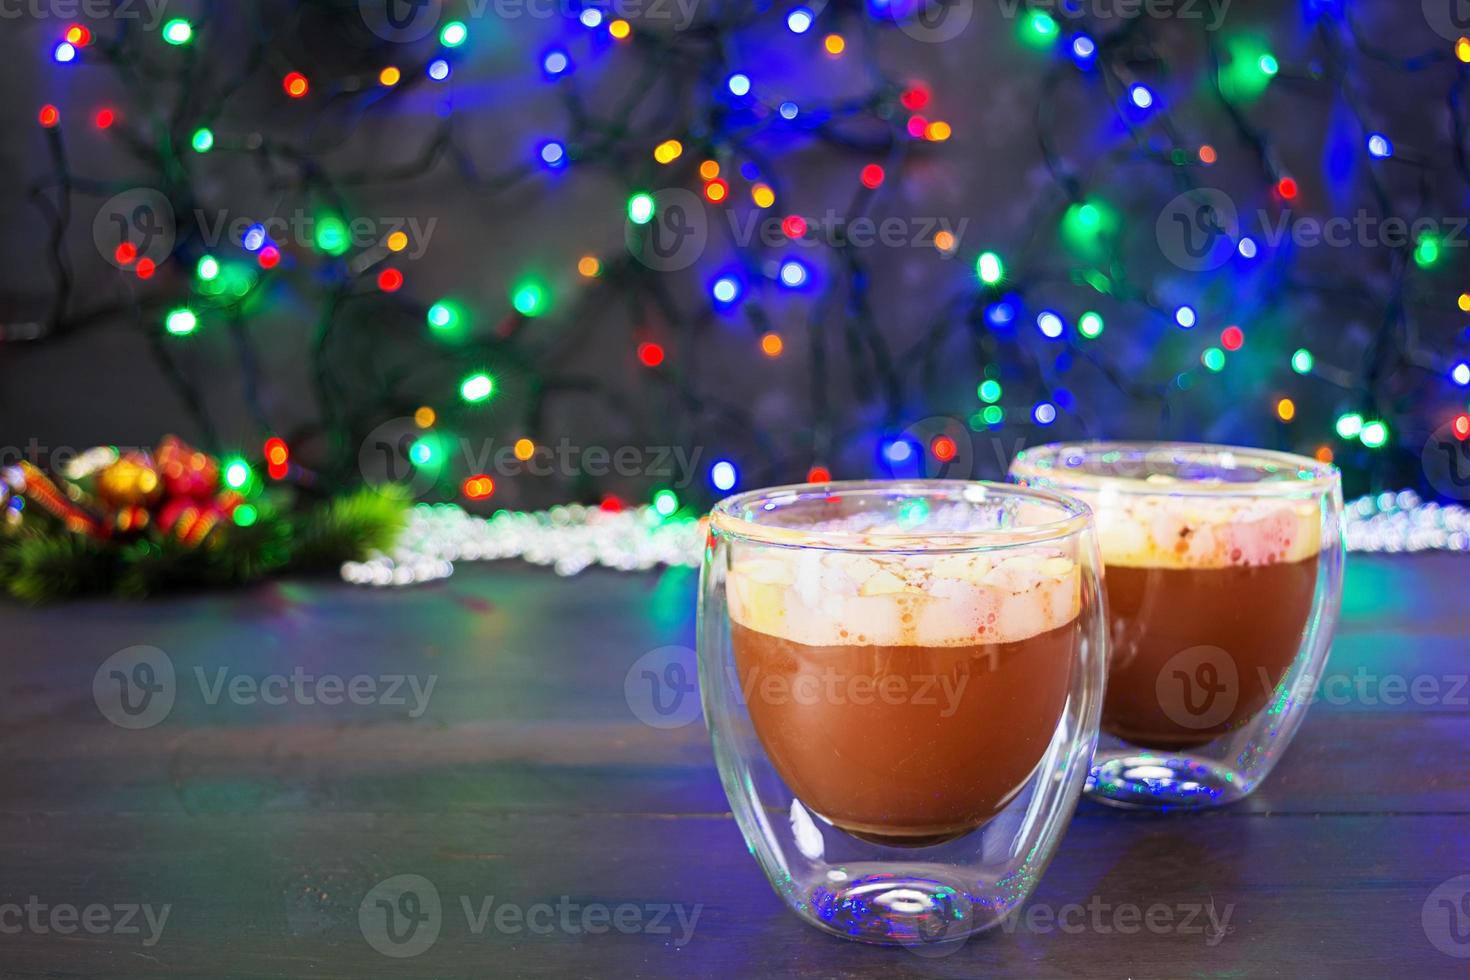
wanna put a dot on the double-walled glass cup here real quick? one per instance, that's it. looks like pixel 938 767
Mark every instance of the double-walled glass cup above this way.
pixel 902 683
pixel 1224 579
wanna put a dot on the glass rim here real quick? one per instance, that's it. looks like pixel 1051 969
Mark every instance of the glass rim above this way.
pixel 724 516
pixel 1315 477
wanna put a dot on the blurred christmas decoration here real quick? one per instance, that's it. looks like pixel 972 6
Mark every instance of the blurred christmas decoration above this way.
pixel 136 522
pixel 573 538
pixel 568 538
pixel 1147 126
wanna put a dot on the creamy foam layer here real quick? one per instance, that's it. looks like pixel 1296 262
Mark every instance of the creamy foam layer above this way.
pixel 1162 531
pixel 826 598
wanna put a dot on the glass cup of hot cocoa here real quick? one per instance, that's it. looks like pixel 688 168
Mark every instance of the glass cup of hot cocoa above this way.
pixel 1223 569
pixel 902 682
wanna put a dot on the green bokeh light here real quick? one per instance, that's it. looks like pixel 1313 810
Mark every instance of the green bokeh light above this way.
pixel 332 236
pixel 990 268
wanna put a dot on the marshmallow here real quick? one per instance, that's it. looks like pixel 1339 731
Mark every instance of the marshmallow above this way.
pixel 1190 531
pixel 830 598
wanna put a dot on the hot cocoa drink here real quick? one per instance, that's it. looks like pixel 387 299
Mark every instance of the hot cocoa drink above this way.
pixel 1208 600
pixel 904 698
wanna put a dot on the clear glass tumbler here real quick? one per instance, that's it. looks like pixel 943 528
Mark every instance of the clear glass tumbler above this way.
pixel 1224 579
pixel 902 683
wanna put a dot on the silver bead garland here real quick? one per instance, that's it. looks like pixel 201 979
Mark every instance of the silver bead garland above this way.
pixel 573 537
pixel 568 538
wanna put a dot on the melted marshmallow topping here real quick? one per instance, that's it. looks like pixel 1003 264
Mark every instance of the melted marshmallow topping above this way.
pixel 829 598
pixel 1162 531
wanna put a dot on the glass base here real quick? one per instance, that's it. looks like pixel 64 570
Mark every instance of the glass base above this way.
pixel 915 908
pixel 1136 779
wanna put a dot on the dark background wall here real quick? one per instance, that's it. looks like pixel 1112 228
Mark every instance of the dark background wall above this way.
pixel 93 376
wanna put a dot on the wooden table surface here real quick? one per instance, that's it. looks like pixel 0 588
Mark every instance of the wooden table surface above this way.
pixel 527 783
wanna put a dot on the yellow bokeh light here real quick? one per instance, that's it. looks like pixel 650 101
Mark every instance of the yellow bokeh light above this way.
pixel 772 345
pixel 1286 410
pixel 668 151
pixel 397 242
pixel 709 170
pixel 762 195
pixel 390 76
pixel 1465 302
pixel 620 29
pixel 835 44
pixel 425 417
pixel 937 131
pixel 524 449
pixel 944 241
pixel 589 266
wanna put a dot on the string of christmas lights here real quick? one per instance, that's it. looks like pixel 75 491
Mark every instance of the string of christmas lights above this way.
pixel 1019 310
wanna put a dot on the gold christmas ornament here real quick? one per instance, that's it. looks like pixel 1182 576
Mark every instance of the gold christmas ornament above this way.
pixel 131 481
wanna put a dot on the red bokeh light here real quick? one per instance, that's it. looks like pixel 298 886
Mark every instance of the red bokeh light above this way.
pixel 49 116
pixel 871 176
pixel 652 355
pixel 819 474
pixel 146 268
pixel 105 118
pixel 390 280
pixel 1287 188
pixel 915 97
pixel 296 85
pixel 126 253
pixel 269 257
pixel 478 487
pixel 1462 427
pixel 943 448
pixel 1231 338
pixel 716 190
pixel 78 35
pixel 794 225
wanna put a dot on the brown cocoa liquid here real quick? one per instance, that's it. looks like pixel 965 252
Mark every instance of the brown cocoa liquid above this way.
pixel 906 745
pixel 1198 652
